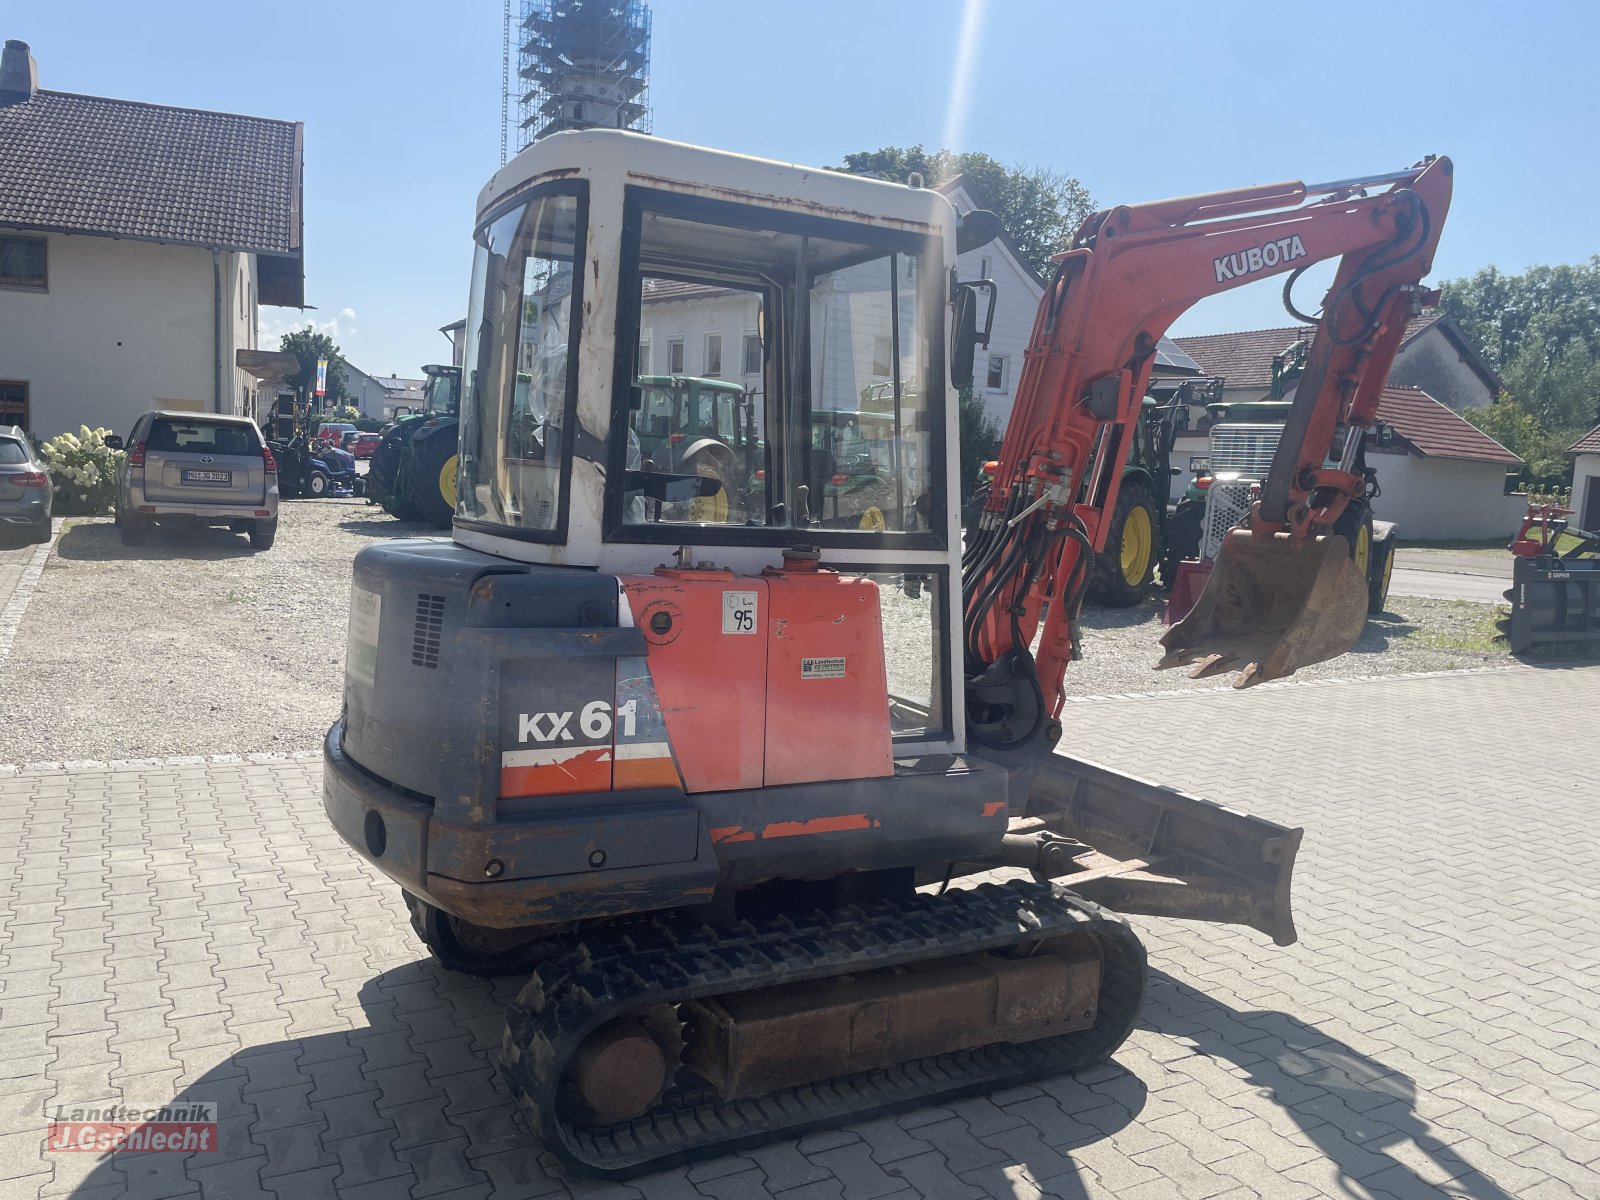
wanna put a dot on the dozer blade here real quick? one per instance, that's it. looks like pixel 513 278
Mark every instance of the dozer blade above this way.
pixel 1152 850
pixel 1271 607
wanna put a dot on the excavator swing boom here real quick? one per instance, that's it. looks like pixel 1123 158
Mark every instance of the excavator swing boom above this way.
pixel 1284 593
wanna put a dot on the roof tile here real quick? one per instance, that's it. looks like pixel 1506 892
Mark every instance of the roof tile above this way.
pixel 1589 443
pixel 1435 430
pixel 1244 359
pixel 127 169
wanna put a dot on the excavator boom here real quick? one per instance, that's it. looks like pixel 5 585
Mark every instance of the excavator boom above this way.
pixel 1283 594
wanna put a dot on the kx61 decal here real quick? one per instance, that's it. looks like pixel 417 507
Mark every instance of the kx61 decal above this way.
pixel 593 722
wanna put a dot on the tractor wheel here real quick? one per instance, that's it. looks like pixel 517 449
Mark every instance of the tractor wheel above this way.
pixel 1355 525
pixel 433 478
pixel 462 946
pixel 1381 572
pixel 318 484
pixel 717 508
pixel 1123 570
pixel 1182 540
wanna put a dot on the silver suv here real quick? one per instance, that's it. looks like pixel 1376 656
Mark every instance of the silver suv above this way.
pixel 25 491
pixel 185 468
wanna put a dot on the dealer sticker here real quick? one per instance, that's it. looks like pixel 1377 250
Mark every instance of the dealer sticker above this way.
pixel 822 668
pixel 738 612
pixel 361 653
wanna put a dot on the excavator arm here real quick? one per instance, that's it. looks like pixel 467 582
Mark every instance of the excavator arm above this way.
pixel 1280 596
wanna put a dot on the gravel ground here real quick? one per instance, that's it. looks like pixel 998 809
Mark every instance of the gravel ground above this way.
pixel 192 644
pixel 189 644
pixel 1120 647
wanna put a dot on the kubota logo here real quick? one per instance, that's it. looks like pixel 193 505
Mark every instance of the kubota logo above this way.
pixel 1259 258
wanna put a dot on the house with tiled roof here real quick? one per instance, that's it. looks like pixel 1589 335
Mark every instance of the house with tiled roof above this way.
pixel 137 242
pixel 1441 477
pixel 1586 479
pixel 1434 355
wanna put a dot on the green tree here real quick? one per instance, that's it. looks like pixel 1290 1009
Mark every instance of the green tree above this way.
pixel 308 346
pixel 1541 331
pixel 1041 208
pixel 1545 311
pixel 980 438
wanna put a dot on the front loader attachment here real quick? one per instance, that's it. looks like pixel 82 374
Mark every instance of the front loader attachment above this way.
pixel 1142 848
pixel 1271 607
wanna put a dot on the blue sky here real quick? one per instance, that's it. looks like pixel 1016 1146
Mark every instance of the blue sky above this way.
pixel 401 106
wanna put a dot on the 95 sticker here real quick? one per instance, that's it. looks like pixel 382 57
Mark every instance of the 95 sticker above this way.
pixel 738 612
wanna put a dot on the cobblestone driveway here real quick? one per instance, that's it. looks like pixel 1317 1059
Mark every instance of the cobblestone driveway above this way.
pixel 194 929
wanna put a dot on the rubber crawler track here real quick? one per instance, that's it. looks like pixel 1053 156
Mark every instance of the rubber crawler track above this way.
pixel 667 962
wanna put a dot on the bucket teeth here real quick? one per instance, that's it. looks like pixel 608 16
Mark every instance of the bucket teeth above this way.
pixel 1269 608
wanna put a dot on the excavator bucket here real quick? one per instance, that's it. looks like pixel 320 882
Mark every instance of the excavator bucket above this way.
pixel 1271 607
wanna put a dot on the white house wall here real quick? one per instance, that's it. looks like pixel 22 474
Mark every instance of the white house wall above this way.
pixel 123 327
pixel 1445 499
pixel 239 393
pixel 1433 364
pixel 1585 475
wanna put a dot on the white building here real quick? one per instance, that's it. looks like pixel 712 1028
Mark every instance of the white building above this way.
pixel 366 391
pixel 136 243
pixel 1586 480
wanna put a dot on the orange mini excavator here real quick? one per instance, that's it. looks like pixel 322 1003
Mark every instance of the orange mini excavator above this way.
pixel 709 748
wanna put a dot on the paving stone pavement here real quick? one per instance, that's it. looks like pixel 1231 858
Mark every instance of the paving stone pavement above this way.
pixel 194 929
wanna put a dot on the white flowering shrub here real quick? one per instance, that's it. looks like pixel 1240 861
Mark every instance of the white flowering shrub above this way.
pixel 83 470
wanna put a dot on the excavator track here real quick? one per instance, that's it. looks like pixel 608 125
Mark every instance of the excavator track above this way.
pixel 674 960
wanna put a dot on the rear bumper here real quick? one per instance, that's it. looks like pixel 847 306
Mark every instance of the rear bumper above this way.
pixel 155 510
pixel 545 868
pixel 131 498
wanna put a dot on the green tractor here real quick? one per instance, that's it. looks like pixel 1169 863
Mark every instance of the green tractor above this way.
pixel 1137 536
pixel 1138 533
pixel 413 472
pixel 691 426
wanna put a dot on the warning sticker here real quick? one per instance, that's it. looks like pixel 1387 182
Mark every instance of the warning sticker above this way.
pixel 361 651
pixel 738 612
pixel 822 668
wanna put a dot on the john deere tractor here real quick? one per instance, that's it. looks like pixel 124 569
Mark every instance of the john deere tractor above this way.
pixel 1138 533
pixel 413 472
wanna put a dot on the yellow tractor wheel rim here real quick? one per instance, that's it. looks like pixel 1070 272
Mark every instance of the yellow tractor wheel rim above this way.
pixel 872 520
pixel 447 480
pixel 713 509
pixel 1363 550
pixel 1137 539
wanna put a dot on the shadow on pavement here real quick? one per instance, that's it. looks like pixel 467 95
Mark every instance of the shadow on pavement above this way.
pixel 98 539
pixel 1348 1105
pixel 387 526
pixel 413 1101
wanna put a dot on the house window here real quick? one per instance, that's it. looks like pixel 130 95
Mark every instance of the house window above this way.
pixel 14 403
pixel 642 363
pixel 752 354
pixel 674 356
pixel 998 374
pixel 22 262
pixel 713 354
pixel 882 358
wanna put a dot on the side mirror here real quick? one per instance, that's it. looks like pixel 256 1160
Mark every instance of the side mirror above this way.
pixel 977 228
pixel 1383 436
pixel 113 442
pixel 963 337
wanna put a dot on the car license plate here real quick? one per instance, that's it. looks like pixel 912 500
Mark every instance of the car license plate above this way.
pixel 209 478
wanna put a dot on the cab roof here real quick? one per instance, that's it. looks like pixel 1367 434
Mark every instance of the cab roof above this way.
pixel 719 175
